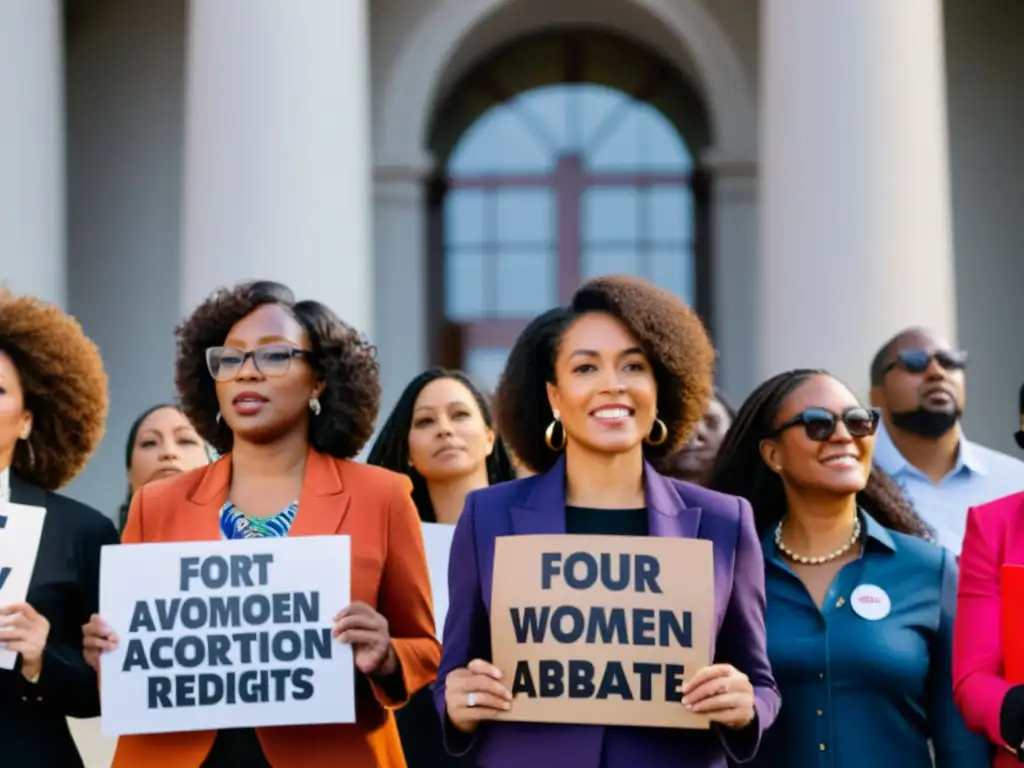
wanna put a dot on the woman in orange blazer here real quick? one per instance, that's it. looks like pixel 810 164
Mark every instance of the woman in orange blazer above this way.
pixel 990 703
pixel 288 392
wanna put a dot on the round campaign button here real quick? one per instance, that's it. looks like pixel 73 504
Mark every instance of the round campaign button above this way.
pixel 870 602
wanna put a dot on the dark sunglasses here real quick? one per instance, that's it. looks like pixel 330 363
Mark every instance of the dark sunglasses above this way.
pixel 918 360
pixel 820 424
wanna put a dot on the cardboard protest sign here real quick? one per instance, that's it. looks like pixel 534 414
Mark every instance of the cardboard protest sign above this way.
pixel 21 527
pixel 601 630
pixel 225 634
pixel 437 539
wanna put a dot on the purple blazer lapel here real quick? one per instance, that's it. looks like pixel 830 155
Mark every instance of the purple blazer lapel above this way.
pixel 543 511
pixel 667 513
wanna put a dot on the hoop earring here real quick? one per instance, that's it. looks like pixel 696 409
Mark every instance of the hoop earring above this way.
pixel 314 406
pixel 219 417
pixel 659 425
pixel 549 436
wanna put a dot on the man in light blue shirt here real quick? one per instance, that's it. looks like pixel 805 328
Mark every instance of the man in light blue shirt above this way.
pixel 917 379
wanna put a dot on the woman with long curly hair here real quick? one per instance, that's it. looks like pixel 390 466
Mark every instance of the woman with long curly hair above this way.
pixel 53 411
pixel 288 394
pixel 590 394
pixel 860 603
pixel 441 434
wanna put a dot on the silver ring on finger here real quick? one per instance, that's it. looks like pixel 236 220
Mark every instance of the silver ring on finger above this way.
pixel 471 699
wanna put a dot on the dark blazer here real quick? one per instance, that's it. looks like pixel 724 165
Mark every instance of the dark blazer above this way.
pixel 64 589
pixel 536 505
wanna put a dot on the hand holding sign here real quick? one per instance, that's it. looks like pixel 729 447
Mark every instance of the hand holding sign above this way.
pixel 723 693
pixel 97 637
pixel 473 694
pixel 24 630
pixel 366 631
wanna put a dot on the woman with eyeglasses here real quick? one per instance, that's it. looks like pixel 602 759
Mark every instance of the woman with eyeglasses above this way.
pixel 288 394
pixel 860 605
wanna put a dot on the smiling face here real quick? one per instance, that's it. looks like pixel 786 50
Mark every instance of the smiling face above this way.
pixel 260 408
pixel 166 444
pixel 838 465
pixel 604 392
pixel 15 421
pixel 448 438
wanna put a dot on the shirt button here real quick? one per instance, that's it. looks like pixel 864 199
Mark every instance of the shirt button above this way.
pixel 821 747
pixel 821 675
pixel 840 602
pixel 820 713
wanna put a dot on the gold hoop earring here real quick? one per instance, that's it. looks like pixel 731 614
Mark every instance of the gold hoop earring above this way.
pixel 549 436
pixel 662 434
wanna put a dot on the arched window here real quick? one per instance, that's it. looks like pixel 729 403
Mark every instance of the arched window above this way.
pixel 561 163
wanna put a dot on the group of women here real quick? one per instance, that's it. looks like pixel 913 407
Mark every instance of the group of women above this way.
pixel 834 613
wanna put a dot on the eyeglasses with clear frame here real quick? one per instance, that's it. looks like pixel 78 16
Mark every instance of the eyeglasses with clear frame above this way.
pixel 272 360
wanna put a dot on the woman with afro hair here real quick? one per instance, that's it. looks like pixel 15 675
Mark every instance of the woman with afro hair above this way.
pixel 860 603
pixel 53 410
pixel 287 394
pixel 590 395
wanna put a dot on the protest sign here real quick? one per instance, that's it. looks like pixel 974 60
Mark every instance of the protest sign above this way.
pixel 437 539
pixel 21 527
pixel 601 630
pixel 227 634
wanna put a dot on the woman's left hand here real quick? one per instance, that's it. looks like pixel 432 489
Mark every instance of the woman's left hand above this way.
pixel 723 693
pixel 366 631
pixel 24 630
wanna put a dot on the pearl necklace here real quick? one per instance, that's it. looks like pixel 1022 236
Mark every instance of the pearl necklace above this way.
pixel 817 560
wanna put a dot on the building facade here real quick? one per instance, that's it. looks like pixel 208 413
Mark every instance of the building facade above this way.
pixel 810 176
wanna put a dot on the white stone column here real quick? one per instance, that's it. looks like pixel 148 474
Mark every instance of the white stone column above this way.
pixel 278 151
pixel 855 228
pixel 32 148
pixel 735 297
pixel 400 242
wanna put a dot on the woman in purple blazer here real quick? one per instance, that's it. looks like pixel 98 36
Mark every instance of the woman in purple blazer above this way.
pixel 589 393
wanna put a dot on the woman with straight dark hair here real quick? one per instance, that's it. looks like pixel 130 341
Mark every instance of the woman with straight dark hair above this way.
pixel 161 443
pixel 440 434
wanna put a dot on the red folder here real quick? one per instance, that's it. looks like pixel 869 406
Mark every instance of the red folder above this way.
pixel 1013 622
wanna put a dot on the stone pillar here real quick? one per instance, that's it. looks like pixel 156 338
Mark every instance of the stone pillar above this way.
pixel 400 242
pixel 32 148
pixel 733 263
pixel 856 237
pixel 278 151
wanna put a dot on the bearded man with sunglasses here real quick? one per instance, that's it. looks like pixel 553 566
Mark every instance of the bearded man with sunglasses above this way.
pixel 917 380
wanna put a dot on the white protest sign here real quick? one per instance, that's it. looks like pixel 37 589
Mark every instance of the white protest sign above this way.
pixel 437 539
pixel 225 634
pixel 21 527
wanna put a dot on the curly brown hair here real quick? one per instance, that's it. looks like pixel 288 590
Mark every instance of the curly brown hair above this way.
pixel 672 336
pixel 739 469
pixel 342 357
pixel 64 385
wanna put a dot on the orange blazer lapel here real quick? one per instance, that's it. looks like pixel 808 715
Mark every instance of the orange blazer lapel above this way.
pixel 202 519
pixel 324 501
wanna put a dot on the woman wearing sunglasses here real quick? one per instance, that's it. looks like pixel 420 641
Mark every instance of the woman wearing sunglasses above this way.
pixel 860 607
pixel 288 394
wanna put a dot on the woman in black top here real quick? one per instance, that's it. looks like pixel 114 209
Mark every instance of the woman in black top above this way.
pixel 53 409
pixel 440 434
